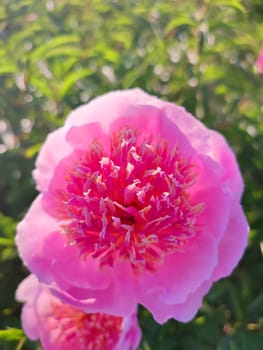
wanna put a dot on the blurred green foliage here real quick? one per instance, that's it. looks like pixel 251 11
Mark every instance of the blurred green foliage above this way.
pixel 58 54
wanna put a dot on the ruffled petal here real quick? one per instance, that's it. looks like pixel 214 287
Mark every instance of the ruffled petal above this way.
pixel 30 238
pixel 71 270
pixel 81 137
pixel 233 243
pixel 131 334
pixel 53 150
pixel 182 312
pixel 181 274
pixel 27 289
pixel 119 298
pixel 108 107
pixel 208 142
pixel 150 121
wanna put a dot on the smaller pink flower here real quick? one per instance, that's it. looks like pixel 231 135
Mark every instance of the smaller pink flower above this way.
pixel 61 326
pixel 259 62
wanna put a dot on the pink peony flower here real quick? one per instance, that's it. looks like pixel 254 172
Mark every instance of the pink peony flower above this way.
pixel 259 63
pixel 62 327
pixel 139 203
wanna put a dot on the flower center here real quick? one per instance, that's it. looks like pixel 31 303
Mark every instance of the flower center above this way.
pixel 130 203
pixel 83 331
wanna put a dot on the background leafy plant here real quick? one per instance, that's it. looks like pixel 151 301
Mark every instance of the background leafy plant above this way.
pixel 58 54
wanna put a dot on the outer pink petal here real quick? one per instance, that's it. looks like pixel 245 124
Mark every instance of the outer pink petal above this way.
pixel 231 248
pixel 81 137
pixel 131 334
pixel 183 312
pixel 31 234
pixel 259 62
pixel 26 292
pixel 108 107
pixel 217 207
pixel 43 249
pixel 183 272
pixel 103 109
pixel 180 275
pixel 53 150
pixel 45 304
pixel 151 121
pixel 70 269
pixel 51 201
pixel 210 143
pixel 224 155
pixel 53 260
pixel 30 321
pixel 27 289
pixel 119 298
pixel 233 243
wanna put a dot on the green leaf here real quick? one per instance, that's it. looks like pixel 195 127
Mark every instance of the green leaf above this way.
pixel 6 242
pixel 177 22
pixel 33 150
pixel 2 12
pixel 64 51
pixel 43 86
pixel 7 227
pixel 71 79
pixel 11 334
pixel 43 50
pixel 7 67
pixel 230 3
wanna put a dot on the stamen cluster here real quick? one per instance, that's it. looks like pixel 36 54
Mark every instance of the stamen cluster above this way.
pixel 130 203
pixel 83 330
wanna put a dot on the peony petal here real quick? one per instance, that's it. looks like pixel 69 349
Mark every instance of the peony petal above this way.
pixel 31 234
pixel 27 289
pixel 224 155
pixel 210 143
pixel 151 121
pixel 26 292
pixel 80 273
pixel 183 312
pixel 131 335
pixel 181 273
pixel 233 243
pixel 81 137
pixel 30 321
pixel 109 300
pixel 53 150
pixel 259 62
pixel 108 107
pixel 51 200
pixel 216 209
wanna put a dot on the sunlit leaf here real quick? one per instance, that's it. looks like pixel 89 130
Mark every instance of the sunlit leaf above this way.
pixel 71 79
pixel 11 334
pixel 7 68
pixel 42 51
pixel 6 242
pixel 230 3
pixel 176 22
